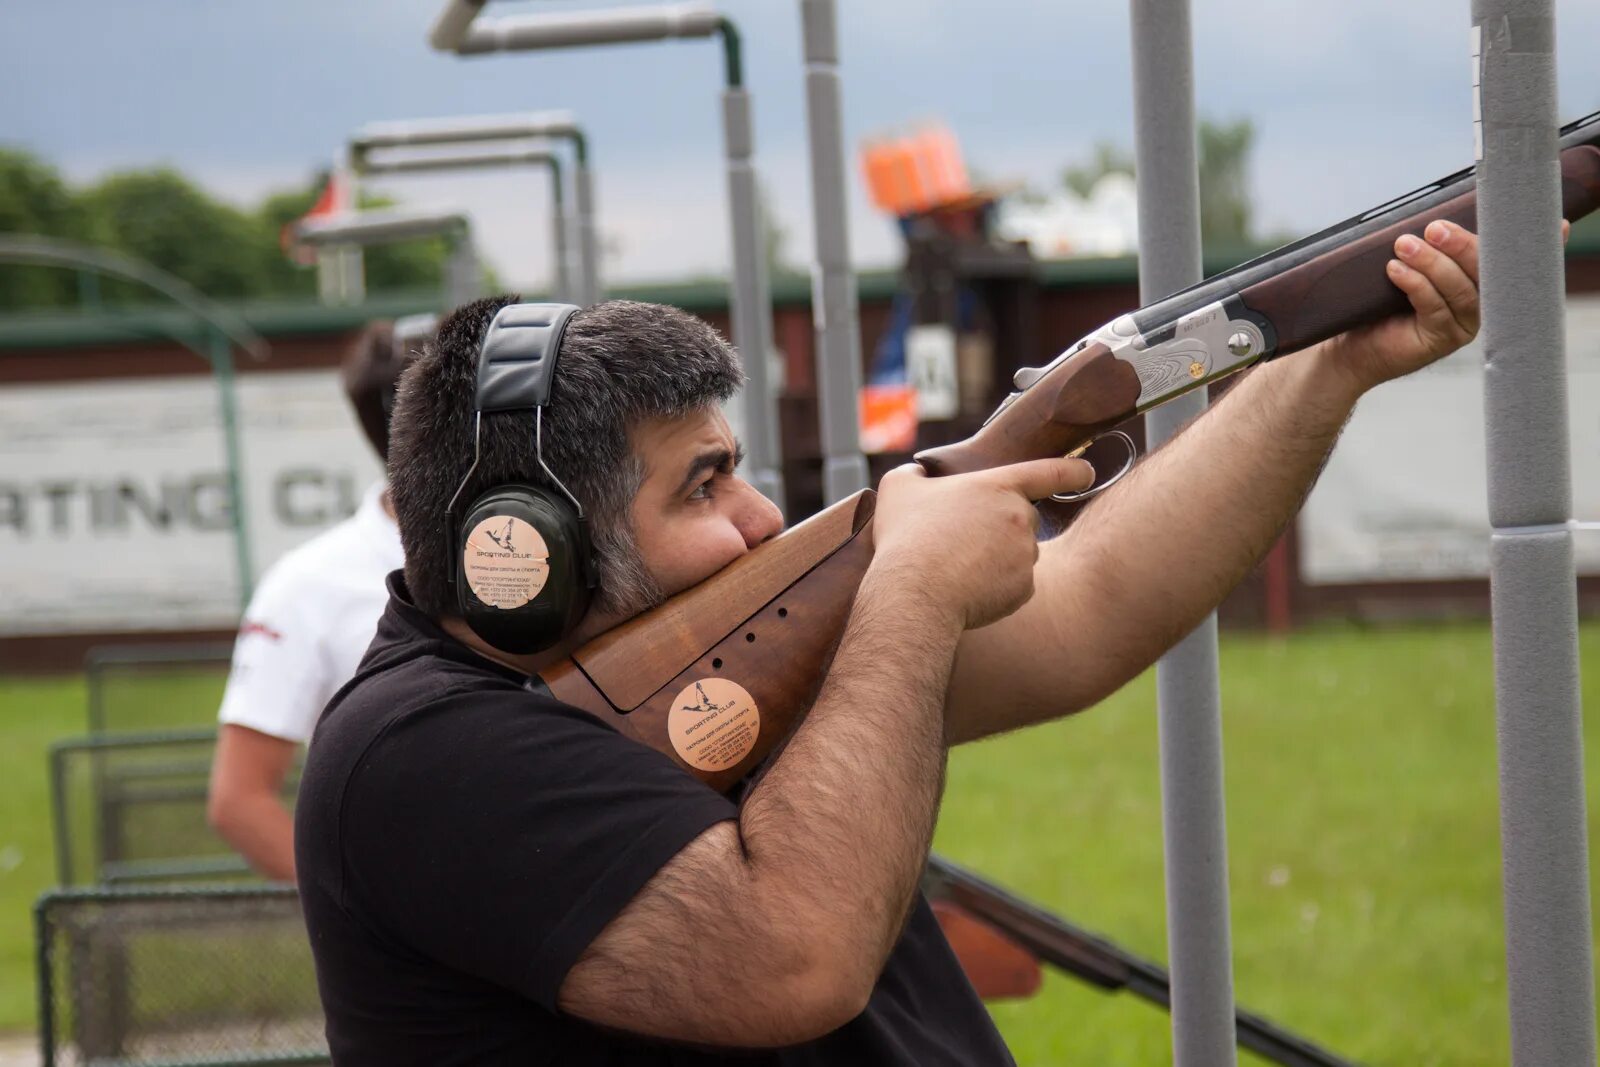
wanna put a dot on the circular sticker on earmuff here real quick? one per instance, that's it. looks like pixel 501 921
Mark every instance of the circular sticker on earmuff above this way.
pixel 506 562
pixel 713 724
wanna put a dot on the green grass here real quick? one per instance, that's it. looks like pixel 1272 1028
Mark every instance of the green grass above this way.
pixel 33 713
pixel 1363 836
pixel 1363 833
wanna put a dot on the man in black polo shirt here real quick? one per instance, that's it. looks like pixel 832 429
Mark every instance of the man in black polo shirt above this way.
pixel 492 877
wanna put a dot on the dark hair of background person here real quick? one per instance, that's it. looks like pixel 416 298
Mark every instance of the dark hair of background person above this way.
pixel 370 371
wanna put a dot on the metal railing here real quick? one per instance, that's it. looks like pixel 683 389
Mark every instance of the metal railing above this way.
pixel 204 976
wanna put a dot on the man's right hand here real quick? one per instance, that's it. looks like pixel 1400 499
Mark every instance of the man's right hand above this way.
pixel 969 541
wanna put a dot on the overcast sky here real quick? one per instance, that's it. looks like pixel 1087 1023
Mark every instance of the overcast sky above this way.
pixel 1354 101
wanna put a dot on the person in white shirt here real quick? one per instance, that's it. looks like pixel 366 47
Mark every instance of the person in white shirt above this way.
pixel 309 622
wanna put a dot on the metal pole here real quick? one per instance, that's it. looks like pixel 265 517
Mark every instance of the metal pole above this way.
pixel 588 241
pixel 453 23
pixel 568 29
pixel 561 273
pixel 222 368
pixel 351 260
pixel 1188 689
pixel 833 282
pixel 561 269
pixel 551 124
pixel 1543 822
pixel 463 275
pixel 751 299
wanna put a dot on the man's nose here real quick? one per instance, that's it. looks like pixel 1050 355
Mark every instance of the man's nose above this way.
pixel 759 518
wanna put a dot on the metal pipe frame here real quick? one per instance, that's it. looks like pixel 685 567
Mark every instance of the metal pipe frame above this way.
pixel 1532 576
pixel 379 227
pixel 531 125
pixel 834 311
pixel 561 272
pixel 363 228
pixel 1189 697
pixel 750 300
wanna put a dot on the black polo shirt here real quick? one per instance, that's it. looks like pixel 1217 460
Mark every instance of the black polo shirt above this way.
pixel 461 839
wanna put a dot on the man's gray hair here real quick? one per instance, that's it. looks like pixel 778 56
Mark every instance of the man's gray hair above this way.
pixel 620 362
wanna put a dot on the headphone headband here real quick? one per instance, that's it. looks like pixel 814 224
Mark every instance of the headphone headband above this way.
pixel 517 362
pixel 523 566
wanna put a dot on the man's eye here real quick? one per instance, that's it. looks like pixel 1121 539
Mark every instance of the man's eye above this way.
pixel 702 491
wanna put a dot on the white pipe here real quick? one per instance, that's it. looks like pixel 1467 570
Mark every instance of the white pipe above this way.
pixel 377 227
pixel 459 130
pixel 623 25
pixel 457 161
pixel 452 23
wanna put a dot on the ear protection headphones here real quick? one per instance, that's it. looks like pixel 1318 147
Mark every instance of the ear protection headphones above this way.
pixel 523 571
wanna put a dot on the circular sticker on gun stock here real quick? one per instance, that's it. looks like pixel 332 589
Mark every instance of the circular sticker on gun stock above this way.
pixel 506 562
pixel 713 724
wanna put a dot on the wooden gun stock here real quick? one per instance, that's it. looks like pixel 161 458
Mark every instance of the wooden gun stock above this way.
pixel 767 624
pixel 720 674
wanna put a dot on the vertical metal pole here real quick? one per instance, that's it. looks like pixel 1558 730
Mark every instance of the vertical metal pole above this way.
pixel 463 278
pixel 1543 822
pixel 45 963
pixel 751 299
pixel 222 369
pixel 833 282
pixel 1187 683
pixel 58 810
pixel 588 242
pixel 561 270
pixel 351 259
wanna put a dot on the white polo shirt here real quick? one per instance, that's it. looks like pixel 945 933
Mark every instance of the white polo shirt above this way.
pixel 309 623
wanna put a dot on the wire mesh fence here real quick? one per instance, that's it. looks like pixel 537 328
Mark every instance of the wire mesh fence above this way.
pixel 215 975
pixel 131 808
pixel 138 688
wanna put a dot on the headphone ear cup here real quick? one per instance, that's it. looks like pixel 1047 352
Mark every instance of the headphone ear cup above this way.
pixel 522 568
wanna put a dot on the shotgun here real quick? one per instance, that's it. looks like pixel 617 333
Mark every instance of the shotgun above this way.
pixel 1093 959
pixel 718 675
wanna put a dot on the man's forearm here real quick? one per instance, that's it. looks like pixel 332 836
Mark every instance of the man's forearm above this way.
pixel 1143 565
pixel 843 819
pixel 262 830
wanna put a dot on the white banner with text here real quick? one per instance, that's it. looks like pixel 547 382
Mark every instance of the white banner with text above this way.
pixel 114 506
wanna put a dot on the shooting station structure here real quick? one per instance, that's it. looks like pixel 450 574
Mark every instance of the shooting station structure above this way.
pixel 560 267
pixel 751 298
pixel 462 274
pixel 528 126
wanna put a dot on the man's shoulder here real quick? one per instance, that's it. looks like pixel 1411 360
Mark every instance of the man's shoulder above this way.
pixel 428 698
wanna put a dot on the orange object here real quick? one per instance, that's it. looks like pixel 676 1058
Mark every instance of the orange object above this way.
pixel 334 199
pixel 997 967
pixel 916 173
pixel 888 418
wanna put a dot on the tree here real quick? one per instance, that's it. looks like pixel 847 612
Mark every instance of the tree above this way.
pixel 162 218
pixel 1225 209
pixel 775 240
pixel 1108 159
pixel 1224 163
pixel 34 200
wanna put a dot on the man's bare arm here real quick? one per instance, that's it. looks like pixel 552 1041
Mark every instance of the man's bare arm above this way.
pixel 797 903
pixel 773 929
pixel 1143 565
pixel 245 802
